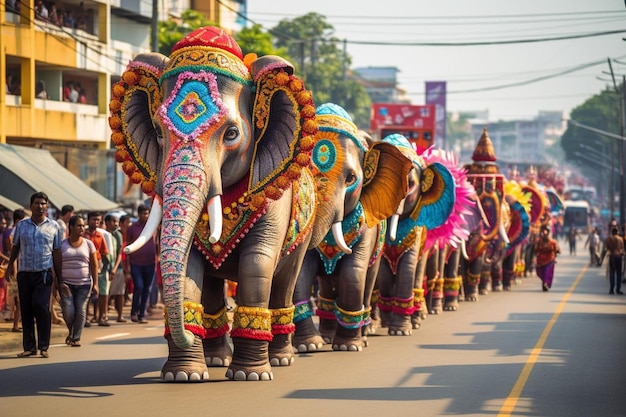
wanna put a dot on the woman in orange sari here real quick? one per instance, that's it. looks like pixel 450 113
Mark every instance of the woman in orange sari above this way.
pixel 546 249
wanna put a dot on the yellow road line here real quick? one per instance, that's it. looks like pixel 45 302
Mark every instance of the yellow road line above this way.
pixel 511 401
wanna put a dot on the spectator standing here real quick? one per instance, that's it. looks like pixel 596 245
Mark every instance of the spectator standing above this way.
pixel 94 219
pixel 41 10
pixel 67 211
pixel 572 236
pixel 40 90
pixel 79 272
pixel 37 242
pixel 142 264
pixel 12 291
pixel 118 280
pixel 82 98
pixel 593 241
pixel 4 259
pixel 66 90
pixel 546 249
pixel 73 94
pixel 125 222
pixel 615 248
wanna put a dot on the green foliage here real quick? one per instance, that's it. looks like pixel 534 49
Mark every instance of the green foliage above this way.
pixel 586 148
pixel 322 64
pixel 254 40
pixel 172 31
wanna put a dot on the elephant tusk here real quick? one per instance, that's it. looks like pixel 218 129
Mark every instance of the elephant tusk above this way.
pixel 338 235
pixel 503 234
pixel 464 250
pixel 148 230
pixel 214 209
pixel 393 227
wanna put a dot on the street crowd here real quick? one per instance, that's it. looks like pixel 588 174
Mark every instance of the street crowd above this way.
pixel 78 262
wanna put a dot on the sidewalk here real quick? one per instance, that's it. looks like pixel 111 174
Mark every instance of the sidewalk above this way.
pixel 12 342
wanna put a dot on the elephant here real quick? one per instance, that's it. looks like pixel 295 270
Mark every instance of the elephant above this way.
pixel 366 181
pixel 223 143
pixel 439 265
pixel 517 231
pixel 430 202
pixel 485 244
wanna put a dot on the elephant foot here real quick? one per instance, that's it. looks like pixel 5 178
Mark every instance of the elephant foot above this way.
pixel 450 307
pixel 185 365
pixel 371 327
pixel 416 320
pixel 400 325
pixel 497 287
pixel 471 297
pixel 348 345
pixel 281 351
pixel 327 329
pixel 217 351
pixel 348 340
pixel 506 288
pixel 385 318
pixel 451 304
pixel 483 291
pixel 250 361
pixel 255 373
pixel 306 337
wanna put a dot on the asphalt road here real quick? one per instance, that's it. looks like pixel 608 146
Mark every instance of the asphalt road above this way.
pixel 519 353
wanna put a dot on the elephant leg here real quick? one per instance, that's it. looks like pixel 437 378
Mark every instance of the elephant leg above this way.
pixel 185 365
pixel 451 287
pixel 348 333
pixel 189 364
pixel 485 280
pixel 281 350
pixel 328 320
pixel 436 306
pixel 217 350
pixel 306 338
pixel 375 322
pixel 508 271
pixel 496 277
pixel 326 309
pixel 403 303
pixel 251 335
pixel 472 279
pixel 386 283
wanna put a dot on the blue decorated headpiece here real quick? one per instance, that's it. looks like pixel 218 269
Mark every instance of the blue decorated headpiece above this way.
pixel 405 147
pixel 333 118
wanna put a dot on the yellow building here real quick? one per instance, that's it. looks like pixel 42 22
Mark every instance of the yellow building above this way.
pixel 74 51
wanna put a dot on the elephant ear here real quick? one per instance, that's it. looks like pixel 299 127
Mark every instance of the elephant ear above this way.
pixel 284 120
pixel 386 171
pixel 519 227
pixel 437 196
pixel 134 102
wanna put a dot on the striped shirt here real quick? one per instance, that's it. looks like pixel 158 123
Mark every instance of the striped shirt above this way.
pixel 75 264
pixel 36 243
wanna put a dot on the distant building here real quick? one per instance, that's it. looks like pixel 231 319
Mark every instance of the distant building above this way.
pixel 381 83
pixel 520 142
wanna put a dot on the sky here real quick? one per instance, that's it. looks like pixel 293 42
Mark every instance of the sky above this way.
pixel 553 75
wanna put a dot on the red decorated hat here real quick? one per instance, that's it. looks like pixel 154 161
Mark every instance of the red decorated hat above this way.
pixel 212 37
pixel 484 149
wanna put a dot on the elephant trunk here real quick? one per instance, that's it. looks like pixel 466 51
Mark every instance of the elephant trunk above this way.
pixel 185 188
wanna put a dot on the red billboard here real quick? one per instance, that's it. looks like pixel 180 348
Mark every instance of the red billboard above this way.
pixel 416 123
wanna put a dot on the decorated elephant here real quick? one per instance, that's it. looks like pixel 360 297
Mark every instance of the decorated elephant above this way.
pixel 518 230
pixel 223 143
pixel 439 265
pixel 366 182
pixel 486 244
pixel 428 213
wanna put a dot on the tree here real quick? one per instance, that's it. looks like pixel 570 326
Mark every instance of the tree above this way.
pixel 322 64
pixel 171 31
pixel 254 40
pixel 590 151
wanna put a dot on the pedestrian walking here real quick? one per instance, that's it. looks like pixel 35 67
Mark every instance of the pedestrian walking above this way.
pixel 37 248
pixel 142 264
pixel 615 247
pixel 546 249
pixel 79 277
pixel 593 242
pixel 118 280
pixel 572 236
pixel 99 299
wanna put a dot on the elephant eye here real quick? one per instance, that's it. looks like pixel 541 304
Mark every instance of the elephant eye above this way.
pixel 232 133
pixel 351 178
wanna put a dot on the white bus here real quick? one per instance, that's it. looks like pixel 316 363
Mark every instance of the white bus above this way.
pixel 576 215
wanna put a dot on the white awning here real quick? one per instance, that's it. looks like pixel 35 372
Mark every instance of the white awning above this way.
pixel 9 204
pixel 25 171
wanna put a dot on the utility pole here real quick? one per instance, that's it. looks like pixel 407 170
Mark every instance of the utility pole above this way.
pixel 154 27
